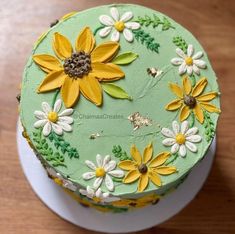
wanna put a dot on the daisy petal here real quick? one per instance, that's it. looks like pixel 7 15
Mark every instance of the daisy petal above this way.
pixel 168 141
pixel 132 25
pixel 105 31
pixel 191 131
pixel 110 166
pixel 106 20
pixel 66 119
pixel 198 55
pixel 200 63
pixel 196 69
pixel 182 151
pixel 182 68
pixel 40 115
pixel 98 193
pixel 190 50
pixel 57 106
pixel 90 191
pixel 114 13
pixel 88 175
pixel 107 158
pixel 167 132
pixel 46 107
pixel 180 53
pixel 126 16
pixel 109 183
pixel 194 138
pixel 184 127
pixel 116 173
pixel 40 123
pixel 46 129
pixel 190 70
pixel 66 112
pixel 192 147
pixel 131 176
pixel 98 182
pixel 175 127
pixel 177 61
pixel 66 127
pixel 175 148
pixel 115 36
pixel 57 129
pixel 90 164
pixel 99 160
pixel 128 35
pixel 143 182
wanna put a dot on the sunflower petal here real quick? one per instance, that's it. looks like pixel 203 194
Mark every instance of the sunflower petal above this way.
pixel 70 91
pixel 174 105
pixel 155 178
pixel 198 113
pixel 199 87
pixel 136 154
pixel 62 47
pixel 91 89
pixel 159 159
pixel 187 85
pixel 131 176
pixel 105 52
pixel 210 107
pixel 47 62
pixel 176 90
pixel 207 97
pixel 164 170
pixel 184 113
pixel 143 182
pixel 127 165
pixel 52 81
pixel 148 153
pixel 106 72
pixel 85 41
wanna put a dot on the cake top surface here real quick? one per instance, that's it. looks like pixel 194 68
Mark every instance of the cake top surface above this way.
pixel 124 81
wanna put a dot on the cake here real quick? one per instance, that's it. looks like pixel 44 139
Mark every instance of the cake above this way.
pixel 119 103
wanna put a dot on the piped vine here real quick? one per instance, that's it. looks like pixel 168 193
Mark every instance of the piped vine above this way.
pixel 181 43
pixel 120 153
pixel 209 127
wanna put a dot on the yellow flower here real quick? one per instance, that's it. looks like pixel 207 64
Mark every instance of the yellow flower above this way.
pixel 146 168
pixel 80 71
pixel 191 99
pixel 137 203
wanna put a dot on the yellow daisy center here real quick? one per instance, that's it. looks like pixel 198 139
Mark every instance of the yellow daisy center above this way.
pixel 180 138
pixel 100 172
pixel 189 61
pixel 119 25
pixel 52 116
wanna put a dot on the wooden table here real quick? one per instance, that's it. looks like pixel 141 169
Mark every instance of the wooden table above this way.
pixel 22 21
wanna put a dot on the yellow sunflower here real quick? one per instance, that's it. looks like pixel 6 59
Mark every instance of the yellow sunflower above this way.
pixel 146 168
pixel 80 70
pixel 191 99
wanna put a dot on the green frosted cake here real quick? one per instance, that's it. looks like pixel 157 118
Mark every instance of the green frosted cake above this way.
pixel 119 103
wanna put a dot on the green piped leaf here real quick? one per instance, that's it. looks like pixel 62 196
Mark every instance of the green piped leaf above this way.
pixel 125 58
pixel 115 91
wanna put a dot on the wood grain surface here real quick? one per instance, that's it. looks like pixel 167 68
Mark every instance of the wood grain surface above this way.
pixel 22 21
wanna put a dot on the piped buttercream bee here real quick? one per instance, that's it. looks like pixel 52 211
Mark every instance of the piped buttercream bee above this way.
pixel 154 72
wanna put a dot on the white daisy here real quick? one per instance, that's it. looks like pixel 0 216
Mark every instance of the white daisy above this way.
pixel 189 62
pixel 103 172
pixel 51 119
pixel 119 24
pixel 181 138
pixel 98 195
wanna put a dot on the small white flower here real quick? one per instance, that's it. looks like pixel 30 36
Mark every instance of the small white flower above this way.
pixel 65 183
pixel 103 172
pixel 181 138
pixel 98 195
pixel 119 24
pixel 189 62
pixel 51 119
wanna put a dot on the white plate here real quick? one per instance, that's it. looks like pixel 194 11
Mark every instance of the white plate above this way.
pixel 67 208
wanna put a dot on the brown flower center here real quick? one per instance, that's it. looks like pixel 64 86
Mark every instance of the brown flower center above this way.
pixel 190 101
pixel 142 168
pixel 78 65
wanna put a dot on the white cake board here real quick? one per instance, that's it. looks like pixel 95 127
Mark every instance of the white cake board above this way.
pixel 67 208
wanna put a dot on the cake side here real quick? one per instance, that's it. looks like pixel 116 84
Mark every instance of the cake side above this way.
pixel 150 101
